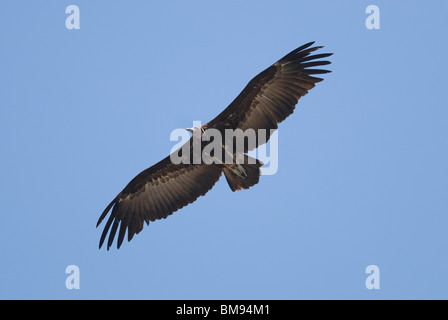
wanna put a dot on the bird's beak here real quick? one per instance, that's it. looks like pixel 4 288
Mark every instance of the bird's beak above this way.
pixel 190 129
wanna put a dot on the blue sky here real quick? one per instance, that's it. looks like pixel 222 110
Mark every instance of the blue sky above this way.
pixel 362 176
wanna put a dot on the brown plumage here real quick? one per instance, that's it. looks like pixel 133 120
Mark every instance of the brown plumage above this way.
pixel 164 188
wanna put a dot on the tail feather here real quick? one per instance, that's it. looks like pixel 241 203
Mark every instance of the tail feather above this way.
pixel 243 176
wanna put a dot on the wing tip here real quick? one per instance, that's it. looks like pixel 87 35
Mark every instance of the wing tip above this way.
pixel 105 212
pixel 103 215
pixel 302 52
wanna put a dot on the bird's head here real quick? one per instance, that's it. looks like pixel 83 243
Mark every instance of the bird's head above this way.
pixel 196 131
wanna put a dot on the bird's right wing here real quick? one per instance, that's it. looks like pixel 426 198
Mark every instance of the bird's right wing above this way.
pixel 154 194
pixel 271 96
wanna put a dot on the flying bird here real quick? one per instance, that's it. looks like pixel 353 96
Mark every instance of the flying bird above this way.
pixel 268 99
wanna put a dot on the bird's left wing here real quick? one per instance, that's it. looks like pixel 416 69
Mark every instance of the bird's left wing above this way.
pixel 154 194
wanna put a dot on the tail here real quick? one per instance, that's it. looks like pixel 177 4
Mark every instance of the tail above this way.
pixel 243 176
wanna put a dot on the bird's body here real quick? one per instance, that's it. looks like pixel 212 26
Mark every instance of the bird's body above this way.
pixel 167 186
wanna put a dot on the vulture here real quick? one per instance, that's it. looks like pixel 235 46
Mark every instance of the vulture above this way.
pixel 268 99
